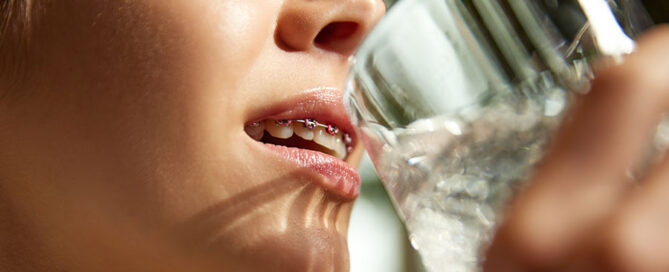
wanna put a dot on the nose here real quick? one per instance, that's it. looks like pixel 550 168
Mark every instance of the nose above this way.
pixel 336 26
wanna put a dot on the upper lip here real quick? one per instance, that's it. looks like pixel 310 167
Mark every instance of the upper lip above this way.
pixel 324 104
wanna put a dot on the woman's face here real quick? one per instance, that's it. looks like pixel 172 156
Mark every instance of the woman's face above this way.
pixel 128 144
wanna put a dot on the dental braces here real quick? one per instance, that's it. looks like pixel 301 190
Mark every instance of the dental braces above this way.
pixel 312 124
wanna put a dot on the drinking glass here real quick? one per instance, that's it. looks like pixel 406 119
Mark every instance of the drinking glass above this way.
pixel 456 100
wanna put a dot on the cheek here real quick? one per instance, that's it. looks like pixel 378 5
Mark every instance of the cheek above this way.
pixel 144 90
pixel 142 99
pixel 159 46
pixel 231 33
pixel 180 62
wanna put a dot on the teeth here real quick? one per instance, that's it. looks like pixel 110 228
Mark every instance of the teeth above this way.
pixel 340 148
pixel 255 130
pixel 322 137
pixel 328 136
pixel 278 130
pixel 302 131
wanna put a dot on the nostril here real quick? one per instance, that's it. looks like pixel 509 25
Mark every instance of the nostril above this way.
pixel 335 33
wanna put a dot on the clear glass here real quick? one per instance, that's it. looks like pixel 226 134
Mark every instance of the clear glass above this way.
pixel 456 99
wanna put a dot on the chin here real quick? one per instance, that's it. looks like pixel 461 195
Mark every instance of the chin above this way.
pixel 297 249
pixel 305 230
pixel 307 250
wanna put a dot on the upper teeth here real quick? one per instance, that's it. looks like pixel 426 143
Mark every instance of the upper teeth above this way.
pixel 327 136
pixel 304 132
pixel 279 130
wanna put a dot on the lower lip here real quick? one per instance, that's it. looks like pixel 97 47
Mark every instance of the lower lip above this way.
pixel 340 177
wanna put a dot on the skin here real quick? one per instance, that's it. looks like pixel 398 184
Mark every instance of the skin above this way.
pixel 123 148
pixel 583 211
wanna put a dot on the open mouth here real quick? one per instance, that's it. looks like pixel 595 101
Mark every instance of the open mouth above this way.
pixel 303 133
pixel 309 133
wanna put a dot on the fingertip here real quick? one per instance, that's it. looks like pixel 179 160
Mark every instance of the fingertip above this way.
pixel 499 258
pixel 646 71
pixel 658 35
pixel 635 238
pixel 524 243
pixel 513 252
